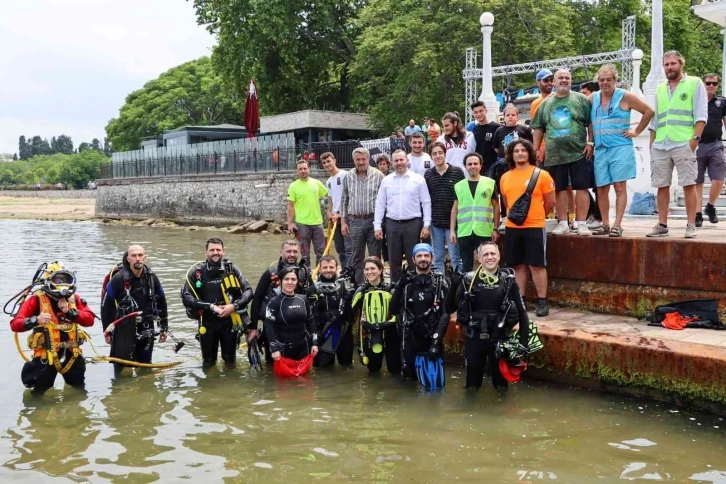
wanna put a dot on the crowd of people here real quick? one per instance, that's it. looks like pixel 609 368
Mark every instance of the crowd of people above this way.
pixel 408 212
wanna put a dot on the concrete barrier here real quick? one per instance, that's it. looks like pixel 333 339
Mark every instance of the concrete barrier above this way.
pixel 68 194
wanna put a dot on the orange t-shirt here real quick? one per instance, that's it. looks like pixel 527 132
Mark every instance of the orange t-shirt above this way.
pixel 513 185
pixel 532 111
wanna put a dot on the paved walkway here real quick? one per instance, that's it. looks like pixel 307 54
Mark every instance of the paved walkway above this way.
pixel 561 319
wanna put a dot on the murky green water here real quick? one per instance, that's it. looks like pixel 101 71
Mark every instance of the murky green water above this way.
pixel 333 426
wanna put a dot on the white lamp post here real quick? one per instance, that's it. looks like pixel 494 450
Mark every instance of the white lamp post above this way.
pixel 487 94
pixel 656 74
pixel 637 61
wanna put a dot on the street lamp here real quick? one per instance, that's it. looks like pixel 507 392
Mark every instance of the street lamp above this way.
pixel 487 94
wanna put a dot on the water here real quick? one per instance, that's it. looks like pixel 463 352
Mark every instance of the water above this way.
pixel 338 425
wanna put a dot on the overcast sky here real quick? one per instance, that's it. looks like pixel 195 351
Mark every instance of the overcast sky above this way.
pixel 66 66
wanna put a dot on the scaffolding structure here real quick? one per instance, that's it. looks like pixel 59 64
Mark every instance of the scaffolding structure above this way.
pixel 473 75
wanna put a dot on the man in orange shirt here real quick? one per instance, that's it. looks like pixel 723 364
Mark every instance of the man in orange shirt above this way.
pixel 525 245
pixel 544 80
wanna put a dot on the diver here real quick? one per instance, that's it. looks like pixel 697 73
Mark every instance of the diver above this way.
pixel 378 332
pixel 134 287
pixel 269 286
pixel 53 312
pixel 490 305
pixel 216 294
pixel 289 321
pixel 419 301
pixel 330 296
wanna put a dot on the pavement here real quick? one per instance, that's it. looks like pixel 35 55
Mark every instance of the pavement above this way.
pixel 639 225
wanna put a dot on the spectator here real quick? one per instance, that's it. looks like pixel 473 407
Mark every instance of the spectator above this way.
pixel 418 160
pixel 681 108
pixel 525 246
pixel 563 120
pixel 402 198
pixel 457 140
pixel 483 132
pixel 614 151
pixel 475 212
pixel 304 216
pixel 710 152
pixel 335 194
pixel 425 129
pixel 357 208
pixel 434 130
pixel 411 128
pixel 383 163
pixel 544 80
pixel 440 182
pixel 587 88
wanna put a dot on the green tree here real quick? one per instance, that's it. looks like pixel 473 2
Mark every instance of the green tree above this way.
pixel 96 144
pixel 39 146
pixel 190 94
pixel 83 147
pixel 24 150
pixel 62 144
pixel 299 52
pixel 15 157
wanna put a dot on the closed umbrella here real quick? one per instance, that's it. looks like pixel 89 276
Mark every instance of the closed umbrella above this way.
pixel 252 110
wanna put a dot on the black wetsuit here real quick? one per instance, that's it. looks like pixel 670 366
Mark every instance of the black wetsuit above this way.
pixel 127 293
pixel 202 288
pixel 267 288
pixel 373 304
pixel 480 311
pixel 331 307
pixel 290 326
pixel 419 301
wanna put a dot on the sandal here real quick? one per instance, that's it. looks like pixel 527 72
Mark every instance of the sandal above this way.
pixel 601 230
pixel 616 232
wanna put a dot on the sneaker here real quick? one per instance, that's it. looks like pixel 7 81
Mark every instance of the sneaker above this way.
pixel 561 229
pixel 711 212
pixel 593 224
pixel 699 219
pixel 658 231
pixel 573 227
pixel 583 230
pixel 543 309
pixel 691 231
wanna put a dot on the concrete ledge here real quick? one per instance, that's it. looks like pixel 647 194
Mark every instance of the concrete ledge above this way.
pixel 57 194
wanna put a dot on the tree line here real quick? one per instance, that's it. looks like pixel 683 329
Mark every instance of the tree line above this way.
pixel 393 59
pixel 74 170
pixel 63 144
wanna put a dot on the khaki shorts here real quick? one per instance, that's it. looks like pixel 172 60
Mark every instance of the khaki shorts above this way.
pixel 662 163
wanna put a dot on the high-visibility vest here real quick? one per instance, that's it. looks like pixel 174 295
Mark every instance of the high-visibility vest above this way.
pixel 609 124
pixel 475 214
pixel 675 114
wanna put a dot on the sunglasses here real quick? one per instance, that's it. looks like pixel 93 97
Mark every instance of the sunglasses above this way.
pixel 711 83
pixel 548 79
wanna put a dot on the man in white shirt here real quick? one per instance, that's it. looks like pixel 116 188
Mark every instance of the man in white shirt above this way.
pixel 458 141
pixel 335 194
pixel 401 197
pixel 418 160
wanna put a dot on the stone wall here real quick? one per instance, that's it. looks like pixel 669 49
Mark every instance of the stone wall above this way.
pixel 208 198
pixel 69 194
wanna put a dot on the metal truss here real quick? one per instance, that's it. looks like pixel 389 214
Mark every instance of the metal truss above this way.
pixel 470 96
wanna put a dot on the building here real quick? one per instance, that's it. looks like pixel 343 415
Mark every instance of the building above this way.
pixel 313 126
pixel 188 135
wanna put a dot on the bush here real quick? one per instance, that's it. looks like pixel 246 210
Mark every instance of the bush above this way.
pixel 75 170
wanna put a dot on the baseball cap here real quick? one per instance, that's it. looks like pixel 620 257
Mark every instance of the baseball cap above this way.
pixel 542 74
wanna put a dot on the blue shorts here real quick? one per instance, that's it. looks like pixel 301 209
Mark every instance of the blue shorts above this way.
pixel 615 164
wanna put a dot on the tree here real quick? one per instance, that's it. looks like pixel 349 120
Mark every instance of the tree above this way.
pixel 299 52
pixel 96 144
pixel 190 94
pixel 107 149
pixel 15 157
pixel 39 146
pixel 62 144
pixel 83 147
pixel 24 149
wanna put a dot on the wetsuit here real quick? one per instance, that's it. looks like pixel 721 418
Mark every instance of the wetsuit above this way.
pixel 331 308
pixel 482 306
pixel 290 326
pixel 378 326
pixel 126 293
pixel 40 372
pixel 202 288
pixel 419 301
pixel 267 288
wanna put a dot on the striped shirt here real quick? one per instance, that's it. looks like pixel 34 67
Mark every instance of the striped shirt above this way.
pixel 359 195
pixel 443 196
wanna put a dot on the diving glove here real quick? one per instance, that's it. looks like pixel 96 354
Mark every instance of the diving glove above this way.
pixel 71 314
pixel 30 323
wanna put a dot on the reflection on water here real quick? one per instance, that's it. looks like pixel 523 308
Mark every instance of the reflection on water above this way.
pixel 242 426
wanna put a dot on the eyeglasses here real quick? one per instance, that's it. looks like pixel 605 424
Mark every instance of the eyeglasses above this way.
pixel 548 79
pixel 711 83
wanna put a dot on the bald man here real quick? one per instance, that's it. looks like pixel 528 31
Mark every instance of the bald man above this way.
pixel 134 287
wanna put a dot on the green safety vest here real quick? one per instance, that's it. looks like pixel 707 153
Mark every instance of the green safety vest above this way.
pixel 675 115
pixel 475 215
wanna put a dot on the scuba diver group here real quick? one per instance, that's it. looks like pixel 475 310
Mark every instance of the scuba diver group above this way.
pixel 306 320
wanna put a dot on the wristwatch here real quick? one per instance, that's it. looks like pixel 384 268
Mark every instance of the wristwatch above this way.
pixel 697 138
pixel 591 143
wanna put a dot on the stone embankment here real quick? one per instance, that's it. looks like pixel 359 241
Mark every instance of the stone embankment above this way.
pixel 249 227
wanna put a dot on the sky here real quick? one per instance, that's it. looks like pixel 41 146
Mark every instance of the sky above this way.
pixel 66 66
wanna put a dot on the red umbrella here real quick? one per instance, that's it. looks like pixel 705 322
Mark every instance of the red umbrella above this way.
pixel 252 110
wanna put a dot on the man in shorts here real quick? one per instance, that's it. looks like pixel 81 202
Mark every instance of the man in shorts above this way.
pixel 563 121
pixel 675 131
pixel 710 153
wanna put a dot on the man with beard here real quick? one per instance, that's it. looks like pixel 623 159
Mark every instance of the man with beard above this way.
pixel 330 298
pixel 484 132
pixel 681 112
pixel 304 216
pixel 418 160
pixel 418 300
pixel 134 288
pixel 269 286
pixel 217 294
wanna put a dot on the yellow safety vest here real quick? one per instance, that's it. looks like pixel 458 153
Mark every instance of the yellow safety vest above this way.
pixel 674 118
pixel 476 214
